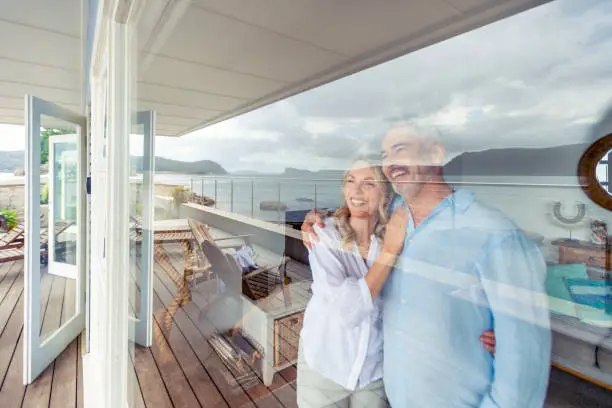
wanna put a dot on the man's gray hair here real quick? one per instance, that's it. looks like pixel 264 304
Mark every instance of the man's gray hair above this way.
pixel 429 134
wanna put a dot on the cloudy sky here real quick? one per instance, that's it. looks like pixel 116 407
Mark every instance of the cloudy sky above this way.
pixel 541 78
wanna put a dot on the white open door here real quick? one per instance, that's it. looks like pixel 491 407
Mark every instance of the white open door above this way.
pixel 64 297
pixel 141 215
pixel 63 188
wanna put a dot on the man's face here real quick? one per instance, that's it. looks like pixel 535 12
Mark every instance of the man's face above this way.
pixel 406 161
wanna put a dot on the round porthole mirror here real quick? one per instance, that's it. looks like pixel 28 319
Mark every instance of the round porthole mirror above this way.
pixel 595 173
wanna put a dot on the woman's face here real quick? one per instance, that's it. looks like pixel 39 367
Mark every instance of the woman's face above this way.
pixel 362 192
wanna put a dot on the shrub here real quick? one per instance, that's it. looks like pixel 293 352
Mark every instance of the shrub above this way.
pixel 10 219
pixel 44 195
pixel 180 195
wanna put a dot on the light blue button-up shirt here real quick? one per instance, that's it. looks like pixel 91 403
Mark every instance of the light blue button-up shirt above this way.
pixel 466 269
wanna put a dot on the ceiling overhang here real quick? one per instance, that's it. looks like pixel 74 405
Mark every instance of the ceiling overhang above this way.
pixel 205 61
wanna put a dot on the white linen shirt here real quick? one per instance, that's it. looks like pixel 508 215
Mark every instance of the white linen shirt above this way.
pixel 342 333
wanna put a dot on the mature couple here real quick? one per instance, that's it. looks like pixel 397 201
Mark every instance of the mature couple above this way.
pixel 434 273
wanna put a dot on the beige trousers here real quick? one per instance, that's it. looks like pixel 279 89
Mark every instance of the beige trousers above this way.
pixel 316 391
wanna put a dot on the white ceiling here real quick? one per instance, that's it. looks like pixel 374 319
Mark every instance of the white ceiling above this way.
pixel 40 54
pixel 212 60
pixel 203 61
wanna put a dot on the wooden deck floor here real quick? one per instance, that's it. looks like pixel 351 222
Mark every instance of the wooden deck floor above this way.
pixel 60 385
pixel 183 371
pixel 180 369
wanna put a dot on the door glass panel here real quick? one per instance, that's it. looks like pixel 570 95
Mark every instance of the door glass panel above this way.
pixel 59 223
pixel 136 206
pixel 65 200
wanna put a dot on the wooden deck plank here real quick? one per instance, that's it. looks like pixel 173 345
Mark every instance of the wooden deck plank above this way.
pixel 10 335
pixel 201 384
pixel 13 275
pixel 261 395
pixel 4 269
pixel 10 301
pixel 134 392
pixel 53 314
pixel 38 393
pixel 134 386
pixel 235 397
pixel 80 397
pixel 179 388
pixel 64 384
pixel 153 388
pixel 144 370
pixel 12 390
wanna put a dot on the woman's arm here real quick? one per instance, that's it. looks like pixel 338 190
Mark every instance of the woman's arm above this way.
pixel 392 247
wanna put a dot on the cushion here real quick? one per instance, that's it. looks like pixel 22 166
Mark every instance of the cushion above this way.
pixel 593 300
pixel 560 299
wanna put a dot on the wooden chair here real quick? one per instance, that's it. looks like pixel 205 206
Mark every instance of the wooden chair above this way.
pixel 199 267
pixel 10 252
pixel 256 284
pixel 11 238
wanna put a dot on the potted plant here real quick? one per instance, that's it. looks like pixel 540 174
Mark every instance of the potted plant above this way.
pixel 180 195
pixel 8 219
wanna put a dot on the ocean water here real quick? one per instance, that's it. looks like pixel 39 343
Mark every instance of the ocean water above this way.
pixel 244 194
pixel 528 201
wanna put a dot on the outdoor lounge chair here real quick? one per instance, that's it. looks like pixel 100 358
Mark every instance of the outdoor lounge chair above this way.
pixel 255 284
pixel 13 238
pixel 10 253
pixel 197 259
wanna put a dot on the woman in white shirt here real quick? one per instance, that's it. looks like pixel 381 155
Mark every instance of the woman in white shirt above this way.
pixel 341 346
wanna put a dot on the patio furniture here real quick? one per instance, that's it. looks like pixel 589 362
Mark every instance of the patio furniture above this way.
pixel 274 326
pixel 13 238
pixel 10 252
pixel 201 234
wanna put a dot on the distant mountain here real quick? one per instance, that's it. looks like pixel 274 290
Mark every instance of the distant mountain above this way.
pixel 9 161
pixel 550 161
pixel 176 166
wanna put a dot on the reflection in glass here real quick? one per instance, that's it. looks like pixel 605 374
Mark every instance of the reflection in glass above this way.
pixel 65 201
pixel 59 224
pixel 603 170
pixel 136 203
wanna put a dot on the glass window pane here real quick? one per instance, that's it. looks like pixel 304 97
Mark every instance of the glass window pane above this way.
pixel 476 137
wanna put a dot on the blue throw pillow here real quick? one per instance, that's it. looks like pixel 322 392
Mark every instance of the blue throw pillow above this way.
pixel 560 300
pixel 593 299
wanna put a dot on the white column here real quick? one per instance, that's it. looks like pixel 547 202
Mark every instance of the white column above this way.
pixel 117 196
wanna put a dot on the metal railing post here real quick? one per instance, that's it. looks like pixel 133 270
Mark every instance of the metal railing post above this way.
pixel 216 201
pixel 278 202
pixel 232 195
pixel 252 199
pixel 202 187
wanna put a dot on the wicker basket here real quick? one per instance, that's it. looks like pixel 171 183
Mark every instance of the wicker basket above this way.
pixel 286 338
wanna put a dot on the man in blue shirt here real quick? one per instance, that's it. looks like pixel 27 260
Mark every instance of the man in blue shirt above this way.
pixel 465 268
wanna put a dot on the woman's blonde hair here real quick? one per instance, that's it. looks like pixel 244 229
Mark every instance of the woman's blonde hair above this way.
pixel 343 214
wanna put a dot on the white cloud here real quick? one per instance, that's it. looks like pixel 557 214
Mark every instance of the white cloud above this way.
pixel 540 78
pixel 12 137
